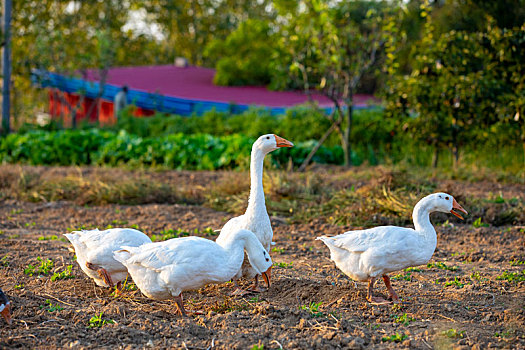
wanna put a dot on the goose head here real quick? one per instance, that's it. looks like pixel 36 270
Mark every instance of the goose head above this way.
pixel 258 256
pixel 270 142
pixel 445 203
pixel 261 262
pixel 5 307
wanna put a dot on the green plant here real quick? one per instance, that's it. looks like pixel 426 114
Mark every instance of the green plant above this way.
pixel 406 277
pixel 66 274
pixel 51 307
pixel 442 266
pixel 412 269
pixel 4 261
pixel 456 282
pixel 43 269
pixel 453 333
pixel 278 250
pixel 477 223
pixel 395 338
pixel 284 265
pixel 169 234
pixel 48 238
pixel 517 262
pixel 512 276
pixel 97 321
pixel 19 286
pixel 313 309
pixel 404 319
pixel 258 347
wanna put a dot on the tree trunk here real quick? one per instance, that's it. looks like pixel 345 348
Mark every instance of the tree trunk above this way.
pixel 347 146
pixel 436 157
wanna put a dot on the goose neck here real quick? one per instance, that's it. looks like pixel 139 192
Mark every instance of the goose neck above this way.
pixel 234 248
pixel 422 224
pixel 256 203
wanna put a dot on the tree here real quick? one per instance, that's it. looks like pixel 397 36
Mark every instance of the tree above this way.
pixel 324 47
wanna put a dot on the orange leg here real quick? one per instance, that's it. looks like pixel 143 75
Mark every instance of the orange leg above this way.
pixel 180 305
pixel 391 293
pixel 256 288
pixel 370 297
pixel 102 273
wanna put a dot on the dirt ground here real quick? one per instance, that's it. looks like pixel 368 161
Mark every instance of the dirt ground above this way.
pixel 466 298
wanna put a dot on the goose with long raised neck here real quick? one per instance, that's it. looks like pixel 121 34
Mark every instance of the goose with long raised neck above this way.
pixel 94 250
pixel 256 217
pixel 164 270
pixel 365 255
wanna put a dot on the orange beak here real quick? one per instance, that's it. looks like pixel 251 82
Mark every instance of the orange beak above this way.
pixel 455 205
pixel 282 142
pixel 6 313
pixel 267 275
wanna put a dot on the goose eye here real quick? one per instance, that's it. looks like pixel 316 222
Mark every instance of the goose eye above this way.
pixel 267 259
pixel 446 198
pixel 267 137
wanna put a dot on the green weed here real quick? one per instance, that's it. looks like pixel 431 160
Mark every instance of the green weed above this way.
pixel 257 347
pixel 66 274
pixel 283 265
pixel 442 266
pixel 48 238
pixel 512 276
pixel 169 234
pixel 277 250
pixel 43 269
pixel 406 277
pixel 19 286
pixel 517 262
pixel 397 338
pixel 313 309
pixel 4 261
pixel 404 319
pixel 50 307
pixel 456 282
pixel 27 224
pixel 97 321
pixel 412 269
pixel 477 223
pixel 453 333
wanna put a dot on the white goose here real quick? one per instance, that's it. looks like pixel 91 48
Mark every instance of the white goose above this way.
pixel 166 269
pixel 367 254
pixel 256 217
pixel 94 250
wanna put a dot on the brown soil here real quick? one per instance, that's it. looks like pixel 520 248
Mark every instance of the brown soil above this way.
pixel 476 309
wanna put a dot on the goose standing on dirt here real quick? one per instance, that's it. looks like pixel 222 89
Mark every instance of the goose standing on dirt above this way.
pixel 256 217
pixel 367 254
pixel 5 308
pixel 164 270
pixel 94 250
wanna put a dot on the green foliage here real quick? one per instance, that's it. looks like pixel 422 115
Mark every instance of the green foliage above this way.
pixel 97 321
pixel 50 307
pixel 477 223
pixel 453 333
pixel 48 238
pixel 512 276
pixel 442 266
pixel 313 309
pixel 283 265
pixel 66 274
pixel 404 319
pixel 397 338
pixel 456 283
pixel 244 57
pixel 43 269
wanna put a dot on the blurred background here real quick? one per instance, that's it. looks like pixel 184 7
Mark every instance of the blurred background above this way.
pixel 420 83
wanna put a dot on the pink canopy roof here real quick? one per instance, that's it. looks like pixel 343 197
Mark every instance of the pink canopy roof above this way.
pixel 196 83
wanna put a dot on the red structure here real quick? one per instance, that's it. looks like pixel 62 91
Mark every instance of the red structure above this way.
pixel 169 89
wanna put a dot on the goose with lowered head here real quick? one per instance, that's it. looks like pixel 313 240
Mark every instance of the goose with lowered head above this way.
pixel 256 217
pixel 164 270
pixel 368 254
pixel 94 250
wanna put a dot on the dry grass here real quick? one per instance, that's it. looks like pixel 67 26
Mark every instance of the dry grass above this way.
pixel 363 196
